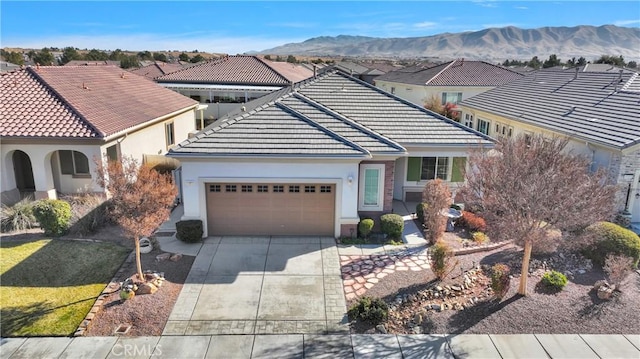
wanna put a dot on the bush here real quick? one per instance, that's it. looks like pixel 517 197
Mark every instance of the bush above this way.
pixel 189 231
pixel 53 215
pixel 18 217
pixel 371 310
pixel 472 222
pixel 500 280
pixel 609 238
pixel 437 194
pixel 617 268
pixel 554 280
pixel 441 256
pixel 420 207
pixel 392 225
pixel 89 213
pixel 479 237
pixel 365 226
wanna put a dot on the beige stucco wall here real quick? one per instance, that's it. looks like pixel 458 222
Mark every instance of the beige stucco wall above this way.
pixel 418 94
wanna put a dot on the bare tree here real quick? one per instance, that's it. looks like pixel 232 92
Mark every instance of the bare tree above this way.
pixel 437 196
pixel 141 198
pixel 530 184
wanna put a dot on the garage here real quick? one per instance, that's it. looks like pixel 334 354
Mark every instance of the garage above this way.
pixel 270 209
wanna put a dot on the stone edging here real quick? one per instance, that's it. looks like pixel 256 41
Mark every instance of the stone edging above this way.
pixel 485 248
pixel 97 306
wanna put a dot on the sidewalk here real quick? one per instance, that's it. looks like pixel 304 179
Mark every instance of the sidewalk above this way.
pixel 355 346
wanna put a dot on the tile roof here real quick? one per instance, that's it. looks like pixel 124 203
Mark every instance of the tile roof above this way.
pixel 80 102
pixel 156 69
pixel 454 73
pixel 333 115
pixel 92 63
pixel 240 69
pixel 599 107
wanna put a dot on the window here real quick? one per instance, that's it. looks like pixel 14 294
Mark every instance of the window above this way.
pixel 468 120
pixel 452 97
pixel 325 189
pixel 371 187
pixel 263 188
pixel 278 189
pixel 230 188
pixel 170 134
pixel 246 188
pixel 112 153
pixel 310 189
pixel 73 163
pixel 214 188
pixel 427 168
pixel 294 189
pixel 483 126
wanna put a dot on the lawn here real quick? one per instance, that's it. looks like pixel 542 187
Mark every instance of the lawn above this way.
pixel 48 286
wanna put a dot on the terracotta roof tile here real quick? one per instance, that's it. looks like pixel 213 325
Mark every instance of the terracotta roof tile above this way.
pixel 157 69
pixel 80 101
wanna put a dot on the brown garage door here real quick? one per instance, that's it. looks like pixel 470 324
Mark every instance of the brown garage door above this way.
pixel 270 209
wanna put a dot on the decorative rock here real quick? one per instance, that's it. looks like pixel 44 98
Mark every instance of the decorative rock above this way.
pixel 600 283
pixel 439 288
pixel 456 288
pixel 146 288
pixel 381 328
pixel 436 307
pixel 163 257
pixel 176 257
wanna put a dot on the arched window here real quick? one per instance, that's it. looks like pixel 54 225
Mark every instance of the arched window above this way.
pixel 73 163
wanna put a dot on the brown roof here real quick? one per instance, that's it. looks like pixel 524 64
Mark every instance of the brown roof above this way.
pixel 80 101
pixel 92 63
pixel 454 73
pixel 157 69
pixel 240 69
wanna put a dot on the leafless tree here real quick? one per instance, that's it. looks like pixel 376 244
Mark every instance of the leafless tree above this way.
pixel 437 196
pixel 530 184
pixel 141 198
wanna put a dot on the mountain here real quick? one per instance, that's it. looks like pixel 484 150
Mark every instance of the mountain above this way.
pixel 488 44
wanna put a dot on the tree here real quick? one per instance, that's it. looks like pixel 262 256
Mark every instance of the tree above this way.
pixel 13 57
pixel 158 56
pixel 610 59
pixel 581 61
pixel 197 58
pixel 552 61
pixel 96 55
pixel 44 57
pixel 292 59
pixel 632 65
pixel 267 57
pixel 528 185
pixel 145 55
pixel 184 57
pixel 437 197
pixel 69 54
pixel 449 110
pixel 141 198
pixel 116 55
pixel 534 62
pixel 127 62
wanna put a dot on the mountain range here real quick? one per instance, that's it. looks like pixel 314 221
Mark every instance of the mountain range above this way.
pixel 489 44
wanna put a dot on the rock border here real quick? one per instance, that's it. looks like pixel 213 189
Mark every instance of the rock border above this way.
pixel 482 248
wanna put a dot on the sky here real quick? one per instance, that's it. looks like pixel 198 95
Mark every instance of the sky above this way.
pixel 236 27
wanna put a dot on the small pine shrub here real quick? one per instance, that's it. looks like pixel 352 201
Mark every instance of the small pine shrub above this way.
pixel 420 207
pixel 554 280
pixel 392 225
pixel 472 222
pixel 18 217
pixel 479 237
pixel 500 280
pixel 53 215
pixel 371 310
pixel 441 259
pixel 189 231
pixel 610 238
pixel 365 226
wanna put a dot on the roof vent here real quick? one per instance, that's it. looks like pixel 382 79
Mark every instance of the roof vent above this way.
pixel 575 76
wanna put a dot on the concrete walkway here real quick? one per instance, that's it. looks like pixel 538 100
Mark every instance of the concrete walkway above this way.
pixel 411 234
pixel 356 346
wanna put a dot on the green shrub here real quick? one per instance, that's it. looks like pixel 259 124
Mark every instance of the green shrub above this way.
pixel 441 256
pixel 189 231
pixel 479 237
pixel 554 280
pixel 392 225
pixel 500 280
pixel 53 215
pixel 18 217
pixel 420 211
pixel 610 238
pixel 365 226
pixel 371 310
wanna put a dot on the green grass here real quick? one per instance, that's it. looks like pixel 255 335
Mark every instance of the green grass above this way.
pixel 48 286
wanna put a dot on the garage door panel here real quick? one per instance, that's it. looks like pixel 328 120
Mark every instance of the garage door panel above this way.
pixel 270 209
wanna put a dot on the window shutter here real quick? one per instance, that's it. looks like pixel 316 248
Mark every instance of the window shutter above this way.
pixel 414 169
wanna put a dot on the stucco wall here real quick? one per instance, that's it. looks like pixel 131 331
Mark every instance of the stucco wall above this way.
pixel 195 173
pixel 419 94
pixel 387 204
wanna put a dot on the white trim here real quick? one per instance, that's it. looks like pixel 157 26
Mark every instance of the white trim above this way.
pixel 381 189
pixel 187 86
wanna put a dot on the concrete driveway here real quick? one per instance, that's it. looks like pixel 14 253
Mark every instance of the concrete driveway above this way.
pixel 262 285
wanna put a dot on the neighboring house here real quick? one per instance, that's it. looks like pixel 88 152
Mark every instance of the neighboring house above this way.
pixel 365 71
pixel 56 120
pixel 598 111
pixel 92 63
pixel 156 69
pixel 452 81
pixel 8 66
pixel 314 158
pixel 225 84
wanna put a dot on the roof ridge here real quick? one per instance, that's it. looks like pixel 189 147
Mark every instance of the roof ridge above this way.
pixel 349 121
pixel 208 62
pixel 440 72
pixel 62 99
pixel 321 128
pixel 271 68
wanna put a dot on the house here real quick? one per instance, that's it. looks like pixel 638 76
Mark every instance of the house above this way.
pixel 8 66
pixel 93 63
pixel 365 71
pixel 314 158
pixel 224 85
pixel 598 111
pixel 156 69
pixel 56 120
pixel 451 81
